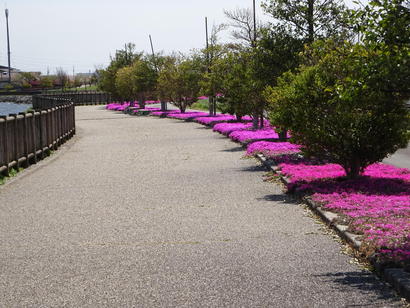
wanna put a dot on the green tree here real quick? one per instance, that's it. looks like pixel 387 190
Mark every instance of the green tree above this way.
pixel 342 106
pixel 277 52
pixel 62 78
pixel 309 19
pixel 210 81
pixel 137 81
pixel 46 81
pixel 107 77
pixel 178 81
pixel 124 85
pixel 239 85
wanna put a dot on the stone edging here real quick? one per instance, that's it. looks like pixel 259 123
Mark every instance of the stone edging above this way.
pixel 397 277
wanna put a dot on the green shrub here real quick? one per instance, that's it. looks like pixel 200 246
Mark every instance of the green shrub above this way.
pixel 344 107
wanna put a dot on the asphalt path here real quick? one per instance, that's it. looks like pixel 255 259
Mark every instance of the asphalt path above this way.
pixel 149 212
pixel 400 159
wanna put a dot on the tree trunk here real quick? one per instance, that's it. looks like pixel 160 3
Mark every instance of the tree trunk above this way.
pixel 310 20
pixel 255 121
pixel 353 169
pixel 183 106
pixel 163 106
pixel 142 101
pixel 261 119
pixel 210 106
pixel 283 134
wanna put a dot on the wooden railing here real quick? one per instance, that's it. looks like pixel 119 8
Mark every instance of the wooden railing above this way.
pixel 28 137
pixel 78 98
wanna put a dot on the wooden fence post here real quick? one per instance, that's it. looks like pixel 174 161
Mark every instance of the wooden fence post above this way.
pixel 6 146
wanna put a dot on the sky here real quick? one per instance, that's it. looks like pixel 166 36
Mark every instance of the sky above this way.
pixel 80 35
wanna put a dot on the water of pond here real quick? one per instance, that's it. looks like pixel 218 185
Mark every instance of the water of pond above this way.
pixel 8 108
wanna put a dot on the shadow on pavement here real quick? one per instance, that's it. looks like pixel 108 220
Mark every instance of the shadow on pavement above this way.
pixel 256 168
pixel 278 198
pixel 236 149
pixel 363 281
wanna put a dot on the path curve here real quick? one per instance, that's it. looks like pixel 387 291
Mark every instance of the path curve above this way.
pixel 149 212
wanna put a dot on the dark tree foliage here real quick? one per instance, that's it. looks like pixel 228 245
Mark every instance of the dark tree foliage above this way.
pixel 339 106
pixel 309 19
pixel 123 58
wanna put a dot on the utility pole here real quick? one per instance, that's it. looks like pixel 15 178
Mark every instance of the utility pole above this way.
pixel 254 23
pixel 8 43
pixel 210 98
pixel 163 104
pixel 153 53
pixel 255 119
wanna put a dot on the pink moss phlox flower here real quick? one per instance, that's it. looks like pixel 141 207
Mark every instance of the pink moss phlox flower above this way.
pixel 376 205
pixel 202 97
pixel 146 109
pixel 218 118
pixel 270 149
pixel 248 135
pixel 227 128
pixel 164 113
pixel 187 115
pixel 116 106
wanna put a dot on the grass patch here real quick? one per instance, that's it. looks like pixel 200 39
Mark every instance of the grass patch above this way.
pixel 13 172
pixel 203 105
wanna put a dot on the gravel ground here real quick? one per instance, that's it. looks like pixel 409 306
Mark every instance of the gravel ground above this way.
pixel 148 212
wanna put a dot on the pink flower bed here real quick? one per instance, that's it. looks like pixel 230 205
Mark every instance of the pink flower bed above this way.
pixel 269 149
pixel 117 106
pixel 187 115
pixel 218 118
pixel 378 208
pixel 122 107
pixel 147 109
pixel 164 113
pixel 248 135
pixel 376 205
pixel 152 102
pixel 227 128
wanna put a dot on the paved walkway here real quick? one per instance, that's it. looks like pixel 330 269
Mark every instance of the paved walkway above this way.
pixel 400 159
pixel 148 212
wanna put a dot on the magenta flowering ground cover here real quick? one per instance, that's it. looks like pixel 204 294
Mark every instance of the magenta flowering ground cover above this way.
pixel 117 106
pixel 249 135
pixel 269 149
pixel 206 120
pixel 164 113
pixel 122 107
pixel 151 109
pixel 227 128
pixel 187 115
pixel 376 205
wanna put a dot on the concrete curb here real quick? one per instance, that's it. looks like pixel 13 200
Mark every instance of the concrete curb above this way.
pixel 397 277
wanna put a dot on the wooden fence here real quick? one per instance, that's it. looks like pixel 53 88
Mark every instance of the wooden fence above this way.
pixel 28 137
pixel 78 98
